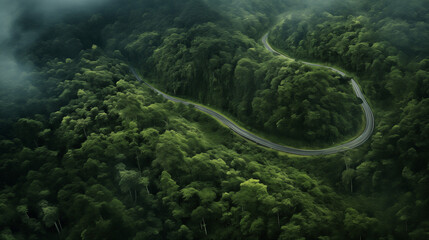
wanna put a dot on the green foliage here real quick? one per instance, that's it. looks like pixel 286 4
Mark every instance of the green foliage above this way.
pixel 385 48
pixel 99 156
pixel 112 155
pixel 226 69
pixel 358 225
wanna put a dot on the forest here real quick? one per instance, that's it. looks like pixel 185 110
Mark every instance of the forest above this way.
pixel 89 152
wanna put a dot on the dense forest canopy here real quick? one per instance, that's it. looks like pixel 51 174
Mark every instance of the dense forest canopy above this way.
pixel 89 152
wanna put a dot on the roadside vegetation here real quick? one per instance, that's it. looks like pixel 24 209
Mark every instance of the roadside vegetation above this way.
pixel 88 152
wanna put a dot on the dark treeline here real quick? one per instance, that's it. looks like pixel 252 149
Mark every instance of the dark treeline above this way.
pixel 93 154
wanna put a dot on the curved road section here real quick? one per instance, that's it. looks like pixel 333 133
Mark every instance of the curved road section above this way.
pixel 263 142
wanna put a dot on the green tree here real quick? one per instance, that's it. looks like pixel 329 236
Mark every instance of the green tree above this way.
pixel 358 225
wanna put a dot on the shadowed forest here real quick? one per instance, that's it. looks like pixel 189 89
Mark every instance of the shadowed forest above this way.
pixel 89 152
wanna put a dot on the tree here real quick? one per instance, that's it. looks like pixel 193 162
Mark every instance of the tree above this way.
pixel 169 187
pixel 169 155
pixel 251 193
pixel 347 178
pixel 27 130
pixel 51 217
pixel 185 232
pixel 358 225
pixel 291 231
pixel 396 83
pixel 130 180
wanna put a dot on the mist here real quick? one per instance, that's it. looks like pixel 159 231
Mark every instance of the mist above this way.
pixel 22 21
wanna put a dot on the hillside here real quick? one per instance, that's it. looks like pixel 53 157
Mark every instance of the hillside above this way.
pixel 89 152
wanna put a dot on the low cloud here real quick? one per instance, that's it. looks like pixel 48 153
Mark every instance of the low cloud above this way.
pixel 21 22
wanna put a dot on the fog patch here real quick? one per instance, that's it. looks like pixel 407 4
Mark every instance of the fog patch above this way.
pixel 21 22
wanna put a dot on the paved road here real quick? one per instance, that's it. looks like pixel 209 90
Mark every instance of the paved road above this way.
pixel 263 142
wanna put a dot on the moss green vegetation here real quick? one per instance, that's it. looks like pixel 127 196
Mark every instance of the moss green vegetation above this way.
pixel 387 51
pixel 117 161
pixel 265 93
pixel 87 152
pixel 281 139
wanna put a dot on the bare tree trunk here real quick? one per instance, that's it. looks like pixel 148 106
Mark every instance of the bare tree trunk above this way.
pixel 147 189
pixel 204 226
pixel 59 222
pixel 56 226
pixel 84 131
pixel 131 195
pixel 135 196
pixel 278 219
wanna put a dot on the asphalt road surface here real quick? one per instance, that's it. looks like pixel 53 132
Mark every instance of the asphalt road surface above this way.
pixel 366 134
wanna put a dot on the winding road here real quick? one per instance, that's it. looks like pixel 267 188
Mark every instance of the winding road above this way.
pixel 366 134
